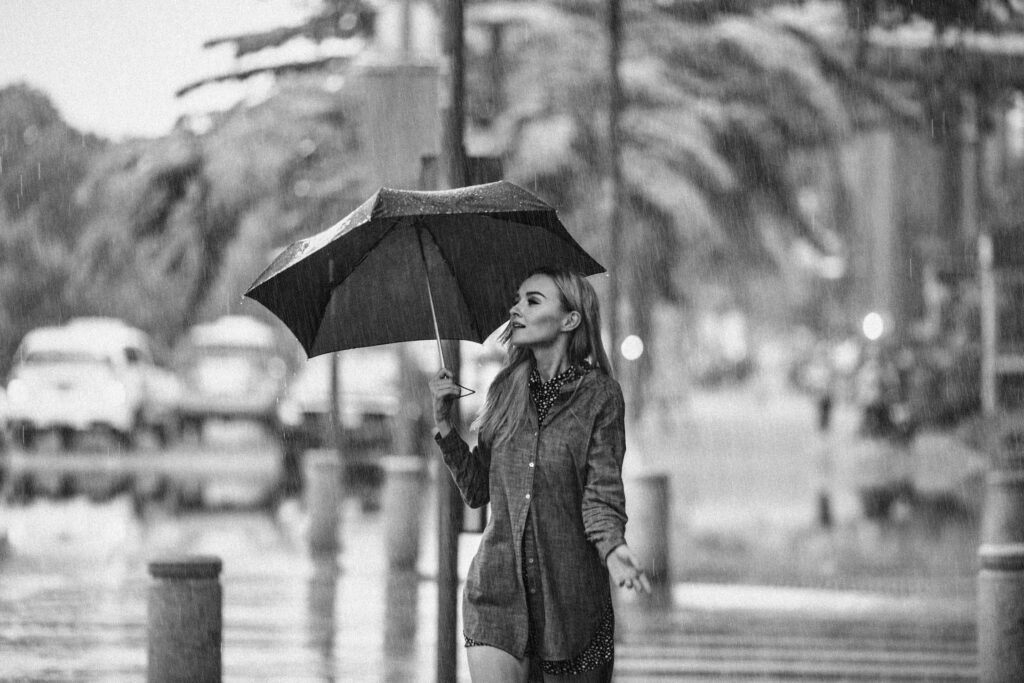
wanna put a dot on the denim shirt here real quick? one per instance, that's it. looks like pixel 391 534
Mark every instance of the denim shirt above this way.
pixel 567 472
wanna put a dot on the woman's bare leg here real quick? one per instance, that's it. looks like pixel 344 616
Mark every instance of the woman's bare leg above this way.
pixel 491 665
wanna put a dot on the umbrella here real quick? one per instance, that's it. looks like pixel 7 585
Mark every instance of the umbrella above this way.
pixel 409 265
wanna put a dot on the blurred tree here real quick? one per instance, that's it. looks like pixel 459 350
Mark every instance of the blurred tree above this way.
pixel 719 99
pixel 42 161
pixel 177 225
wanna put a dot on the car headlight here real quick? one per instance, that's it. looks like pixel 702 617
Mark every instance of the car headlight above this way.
pixel 289 413
pixel 17 392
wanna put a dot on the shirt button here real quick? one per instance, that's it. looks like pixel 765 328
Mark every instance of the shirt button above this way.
pixel 531 464
pixel 529 560
pixel 533 590
pixel 527 496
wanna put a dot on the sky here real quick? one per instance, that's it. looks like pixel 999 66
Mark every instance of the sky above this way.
pixel 112 66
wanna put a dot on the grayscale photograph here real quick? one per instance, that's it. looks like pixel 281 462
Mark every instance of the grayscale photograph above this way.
pixel 511 341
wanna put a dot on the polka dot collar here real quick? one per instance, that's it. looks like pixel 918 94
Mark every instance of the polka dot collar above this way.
pixel 544 393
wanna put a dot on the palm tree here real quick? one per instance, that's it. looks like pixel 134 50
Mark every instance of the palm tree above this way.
pixel 717 105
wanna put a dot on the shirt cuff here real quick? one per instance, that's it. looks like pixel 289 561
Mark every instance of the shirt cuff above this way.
pixel 605 547
pixel 449 441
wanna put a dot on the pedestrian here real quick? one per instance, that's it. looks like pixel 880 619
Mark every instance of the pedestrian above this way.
pixel 551 439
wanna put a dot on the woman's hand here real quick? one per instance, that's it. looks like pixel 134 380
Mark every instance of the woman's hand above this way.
pixel 626 571
pixel 444 391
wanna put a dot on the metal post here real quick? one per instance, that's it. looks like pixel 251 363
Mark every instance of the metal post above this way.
pixel 322 491
pixel 453 171
pixel 403 496
pixel 647 506
pixel 1001 578
pixel 614 180
pixel 989 323
pixel 184 620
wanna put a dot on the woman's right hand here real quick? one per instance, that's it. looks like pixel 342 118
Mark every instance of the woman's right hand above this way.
pixel 444 391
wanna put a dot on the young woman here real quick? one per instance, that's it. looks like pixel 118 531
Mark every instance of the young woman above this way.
pixel 548 459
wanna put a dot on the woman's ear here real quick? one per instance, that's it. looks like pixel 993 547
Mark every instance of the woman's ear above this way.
pixel 571 321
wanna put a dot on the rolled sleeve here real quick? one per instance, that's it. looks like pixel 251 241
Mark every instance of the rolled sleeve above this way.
pixel 470 468
pixel 604 501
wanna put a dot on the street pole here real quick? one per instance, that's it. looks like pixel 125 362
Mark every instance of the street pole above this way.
pixel 452 169
pixel 614 179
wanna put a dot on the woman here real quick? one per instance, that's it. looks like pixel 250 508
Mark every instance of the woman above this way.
pixel 551 440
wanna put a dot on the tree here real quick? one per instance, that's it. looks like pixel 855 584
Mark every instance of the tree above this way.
pixel 177 225
pixel 42 161
pixel 717 106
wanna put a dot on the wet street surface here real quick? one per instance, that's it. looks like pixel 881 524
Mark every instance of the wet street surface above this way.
pixel 73 600
pixel 73 608
pixel 760 590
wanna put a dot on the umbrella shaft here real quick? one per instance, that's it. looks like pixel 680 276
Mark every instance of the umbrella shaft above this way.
pixel 430 296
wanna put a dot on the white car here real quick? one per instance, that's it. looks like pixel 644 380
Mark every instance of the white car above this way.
pixel 95 374
pixel 233 370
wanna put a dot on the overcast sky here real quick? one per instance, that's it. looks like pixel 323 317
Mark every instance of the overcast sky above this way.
pixel 112 66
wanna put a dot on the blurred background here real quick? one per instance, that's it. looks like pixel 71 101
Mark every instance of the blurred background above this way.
pixel 811 211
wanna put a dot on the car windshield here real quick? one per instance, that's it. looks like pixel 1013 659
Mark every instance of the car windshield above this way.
pixel 251 353
pixel 65 357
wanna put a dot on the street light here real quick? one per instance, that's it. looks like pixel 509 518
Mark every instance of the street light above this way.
pixel 873 326
pixel 632 347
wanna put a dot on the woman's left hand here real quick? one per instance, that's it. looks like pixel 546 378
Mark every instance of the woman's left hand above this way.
pixel 626 571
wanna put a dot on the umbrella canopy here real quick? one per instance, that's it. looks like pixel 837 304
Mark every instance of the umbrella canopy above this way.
pixel 410 265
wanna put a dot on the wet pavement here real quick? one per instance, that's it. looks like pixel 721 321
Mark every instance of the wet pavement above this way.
pixel 760 590
pixel 73 608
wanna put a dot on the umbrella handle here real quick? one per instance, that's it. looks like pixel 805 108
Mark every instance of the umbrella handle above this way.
pixel 433 312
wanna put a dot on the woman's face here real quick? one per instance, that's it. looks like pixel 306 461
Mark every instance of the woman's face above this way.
pixel 537 317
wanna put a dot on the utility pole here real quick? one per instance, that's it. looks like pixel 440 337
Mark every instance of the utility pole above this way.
pixel 452 168
pixel 614 179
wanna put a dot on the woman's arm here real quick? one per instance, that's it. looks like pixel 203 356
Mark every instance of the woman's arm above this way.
pixel 471 469
pixel 604 502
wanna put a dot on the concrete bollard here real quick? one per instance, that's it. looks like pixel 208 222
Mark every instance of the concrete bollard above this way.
pixel 647 506
pixel 322 490
pixel 1001 579
pixel 404 483
pixel 184 620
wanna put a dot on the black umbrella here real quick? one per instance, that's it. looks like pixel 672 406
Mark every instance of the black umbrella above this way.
pixel 410 265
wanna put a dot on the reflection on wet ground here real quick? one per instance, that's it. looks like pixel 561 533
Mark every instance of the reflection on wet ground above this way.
pixel 73 607
pixel 868 599
pixel 73 602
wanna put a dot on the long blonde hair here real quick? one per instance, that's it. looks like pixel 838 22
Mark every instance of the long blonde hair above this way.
pixel 508 397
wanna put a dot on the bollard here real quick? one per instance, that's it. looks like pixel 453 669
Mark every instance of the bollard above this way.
pixel 647 507
pixel 184 620
pixel 1001 579
pixel 404 479
pixel 322 490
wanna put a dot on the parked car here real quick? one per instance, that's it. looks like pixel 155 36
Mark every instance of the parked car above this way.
pixel 233 369
pixel 368 397
pixel 92 374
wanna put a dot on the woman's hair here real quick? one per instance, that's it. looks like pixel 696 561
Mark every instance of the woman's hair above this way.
pixel 509 393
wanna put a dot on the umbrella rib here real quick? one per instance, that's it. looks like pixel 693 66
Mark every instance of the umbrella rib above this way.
pixel 455 278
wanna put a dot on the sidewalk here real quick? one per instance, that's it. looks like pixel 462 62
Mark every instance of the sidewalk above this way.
pixel 73 607
pixel 746 470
